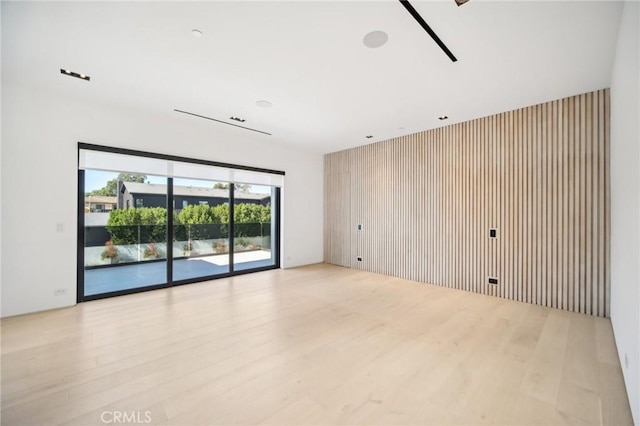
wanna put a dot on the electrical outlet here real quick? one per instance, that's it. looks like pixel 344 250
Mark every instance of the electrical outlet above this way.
pixel 359 227
pixel 493 233
pixel 492 280
pixel 359 259
pixel 60 291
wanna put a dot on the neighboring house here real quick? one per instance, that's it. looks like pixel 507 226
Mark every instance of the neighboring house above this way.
pixel 99 204
pixel 134 194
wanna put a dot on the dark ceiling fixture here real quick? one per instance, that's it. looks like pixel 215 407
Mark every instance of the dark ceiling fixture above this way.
pixel 220 121
pixel 75 74
pixel 369 136
pixel 242 120
pixel 461 2
pixel 428 29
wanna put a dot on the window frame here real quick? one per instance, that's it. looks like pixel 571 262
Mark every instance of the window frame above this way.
pixel 170 209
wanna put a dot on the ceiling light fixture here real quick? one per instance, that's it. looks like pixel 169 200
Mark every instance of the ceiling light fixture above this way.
pixel 264 104
pixel 242 120
pixel 369 136
pixel 443 117
pixel 75 74
pixel 375 39
pixel 196 33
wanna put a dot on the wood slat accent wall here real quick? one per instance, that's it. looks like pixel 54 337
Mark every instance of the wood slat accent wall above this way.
pixel 426 202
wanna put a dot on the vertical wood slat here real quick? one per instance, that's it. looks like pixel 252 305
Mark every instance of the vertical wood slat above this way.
pixel 426 201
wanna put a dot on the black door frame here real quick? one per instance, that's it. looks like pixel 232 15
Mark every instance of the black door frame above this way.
pixel 80 297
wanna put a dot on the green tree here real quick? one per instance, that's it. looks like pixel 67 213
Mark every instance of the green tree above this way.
pixel 202 221
pixel 194 222
pixel 243 187
pixel 192 214
pixel 221 212
pixel 111 187
pixel 245 213
pixel 142 225
pixel 248 218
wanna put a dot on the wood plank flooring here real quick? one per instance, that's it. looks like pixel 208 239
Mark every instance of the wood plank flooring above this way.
pixel 319 345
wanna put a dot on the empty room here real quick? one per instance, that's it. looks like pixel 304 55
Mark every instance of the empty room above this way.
pixel 320 212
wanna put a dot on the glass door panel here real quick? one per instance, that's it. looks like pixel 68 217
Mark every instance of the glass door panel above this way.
pixel 254 227
pixel 144 230
pixel 200 229
pixel 125 232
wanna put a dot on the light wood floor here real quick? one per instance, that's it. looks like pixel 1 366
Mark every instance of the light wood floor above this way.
pixel 313 345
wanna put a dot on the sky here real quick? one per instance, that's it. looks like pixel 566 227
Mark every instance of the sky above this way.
pixel 95 179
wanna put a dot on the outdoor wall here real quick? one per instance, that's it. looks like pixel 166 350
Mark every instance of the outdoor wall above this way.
pixel 427 201
pixel 625 201
pixel 40 132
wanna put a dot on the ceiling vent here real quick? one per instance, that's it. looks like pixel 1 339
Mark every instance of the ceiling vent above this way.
pixel 221 121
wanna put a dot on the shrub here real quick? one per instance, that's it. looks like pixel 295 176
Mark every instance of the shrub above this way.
pixel 138 225
pixel 242 242
pixel 187 248
pixel 194 222
pixel 110 251
pixel 151 252
pixel 220 247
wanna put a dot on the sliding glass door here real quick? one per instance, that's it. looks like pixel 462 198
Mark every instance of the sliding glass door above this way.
pixel 200 229
pixel 149 221
pixel 253 245
pixel 125 232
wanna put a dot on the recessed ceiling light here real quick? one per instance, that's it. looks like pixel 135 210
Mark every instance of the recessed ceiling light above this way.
pixel 400 128
pixel 375 39
pixel 75 74
pixel 196 33
pixel 443 117
pixel 264 104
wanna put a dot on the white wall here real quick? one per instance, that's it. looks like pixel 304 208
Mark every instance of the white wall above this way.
pixel 1 199
pixel 625 201
pixel 40 133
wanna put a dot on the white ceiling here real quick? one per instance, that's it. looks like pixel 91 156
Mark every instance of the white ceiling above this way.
pixel 328 90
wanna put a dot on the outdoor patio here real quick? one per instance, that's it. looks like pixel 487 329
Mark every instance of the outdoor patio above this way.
pixel 144 274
